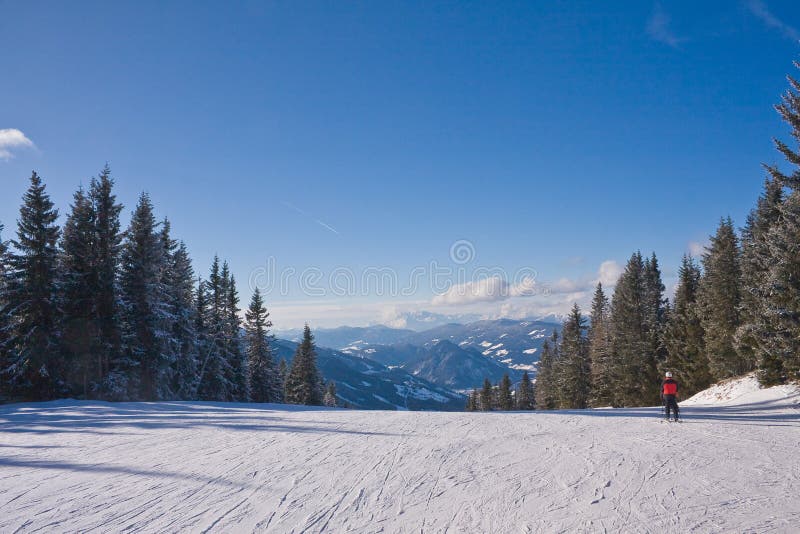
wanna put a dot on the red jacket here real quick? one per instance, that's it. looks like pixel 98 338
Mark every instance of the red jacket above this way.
pixel 669 387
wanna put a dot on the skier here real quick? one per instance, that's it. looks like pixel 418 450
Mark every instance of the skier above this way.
pixel 669 393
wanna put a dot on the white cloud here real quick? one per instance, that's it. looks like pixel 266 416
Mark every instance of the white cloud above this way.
pixel 760 11
pixel 11 138
pixel 696 249
pixel 609 272
pixel 660 29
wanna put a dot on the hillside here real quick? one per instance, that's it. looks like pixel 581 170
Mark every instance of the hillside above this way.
pixel 205 467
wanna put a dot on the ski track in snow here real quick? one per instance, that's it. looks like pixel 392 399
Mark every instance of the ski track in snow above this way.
pixel 71 466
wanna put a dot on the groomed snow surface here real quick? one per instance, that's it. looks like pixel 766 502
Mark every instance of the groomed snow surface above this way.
pixel 87 466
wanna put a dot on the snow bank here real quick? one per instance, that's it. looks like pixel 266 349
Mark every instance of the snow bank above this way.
pixel 742 391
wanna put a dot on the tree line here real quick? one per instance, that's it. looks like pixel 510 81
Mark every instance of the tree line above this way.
pixel 735 311
pixel 90 311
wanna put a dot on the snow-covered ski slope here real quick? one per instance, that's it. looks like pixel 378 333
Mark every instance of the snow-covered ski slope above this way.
pixel 165 467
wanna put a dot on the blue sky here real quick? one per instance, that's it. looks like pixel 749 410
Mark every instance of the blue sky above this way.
pixel 554 137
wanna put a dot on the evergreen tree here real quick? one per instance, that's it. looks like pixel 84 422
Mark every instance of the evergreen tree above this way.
pixel 144 308
pixel 234 353
pixel 184 343
pixel 486 396
pixel 525 399
pixel 34 370
pixel 330 395
pixel 633 363
pixel 775 290
pixel 283 373
pixel 80 336
pixel 684 337
pixel 304 384
pixel 214 382
pixel 754 332
pixel 505 401
pixel 719 298
pixel 544 390
pixel 472 400
pixel 574 369
pixel 5 363
pixel 265 383
pixel 105 261
pixel 654 311
pixel 784 298
pixel 600 356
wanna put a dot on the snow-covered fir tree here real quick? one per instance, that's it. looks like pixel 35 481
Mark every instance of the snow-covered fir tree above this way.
pixel 573 372
pixel 35 370
pixel 602 381
pixel 544 390
pixel 80 335
pixel 304 383
pixel 265 383
pixel 5 364
pixel 330 395
pixel 486 403
pixel 105 255
pixel 779 291
pixel 505 401
pixel 719 298
pixel 283 372
pixel 214 367
pixel 234 351
pixel 183 341
pixel 633 362
pixel 525 400
pixel 684 336
pixel 754 333
pixel 144 304
pixel 473 400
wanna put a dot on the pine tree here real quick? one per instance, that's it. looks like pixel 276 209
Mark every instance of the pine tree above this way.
pixel 472 400
pixel 35 370
pixel 105 255
pixel 654 312
pixel 330 395
pixel 754 332
pixel 525 399
pixel 505 401
pixel 5 363
pixel 633 363
pixel 80 336
pixel 544 390
pixel 486 396
pixel 283 373
pixel 573 375
pixel 183 340
pixel 265 383
pixel 719 298
pixel 304 384
pixel 237 360
pixel 775 290
pixel 144 307
pixel 214 368
pixel 602 383
pixel 784 298
pixel 684 336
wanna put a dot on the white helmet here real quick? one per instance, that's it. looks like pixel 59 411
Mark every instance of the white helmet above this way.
pixel 669 374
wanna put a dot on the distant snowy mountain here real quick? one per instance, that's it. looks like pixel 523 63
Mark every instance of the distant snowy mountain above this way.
pixel 457 356
pixel 515 344
pixel 368 384
pixel 441 362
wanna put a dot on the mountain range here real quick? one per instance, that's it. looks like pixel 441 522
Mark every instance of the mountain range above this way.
pixel 453 356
